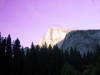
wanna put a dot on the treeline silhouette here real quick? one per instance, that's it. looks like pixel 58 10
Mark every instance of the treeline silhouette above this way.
pixel 35 60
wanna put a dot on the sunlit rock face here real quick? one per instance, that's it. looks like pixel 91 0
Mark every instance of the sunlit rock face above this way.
pixel 82 40
pixel 54 36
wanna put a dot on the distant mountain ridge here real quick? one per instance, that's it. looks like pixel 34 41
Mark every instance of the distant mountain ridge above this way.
pixel 81 40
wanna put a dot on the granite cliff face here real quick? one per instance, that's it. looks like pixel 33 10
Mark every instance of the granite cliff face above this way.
pixel 81 40
pixel 54 36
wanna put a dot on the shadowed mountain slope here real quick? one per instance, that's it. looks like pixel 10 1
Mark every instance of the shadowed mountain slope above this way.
pixel 82 40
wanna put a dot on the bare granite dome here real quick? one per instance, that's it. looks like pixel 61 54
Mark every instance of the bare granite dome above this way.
pixel 82 40
pixel 54 36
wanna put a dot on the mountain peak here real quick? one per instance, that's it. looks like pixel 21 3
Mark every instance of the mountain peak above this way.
pixel 81 40
pixel 53 36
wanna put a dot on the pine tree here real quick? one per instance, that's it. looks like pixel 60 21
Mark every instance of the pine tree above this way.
pixel 9 54
pixel 3 62
pixel 33 52
pixel 17 57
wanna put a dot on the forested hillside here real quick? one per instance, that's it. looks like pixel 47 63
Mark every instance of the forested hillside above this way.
pixel 17 60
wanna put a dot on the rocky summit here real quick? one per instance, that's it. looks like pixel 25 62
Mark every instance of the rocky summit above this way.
pixel 54 36
pixel 81 40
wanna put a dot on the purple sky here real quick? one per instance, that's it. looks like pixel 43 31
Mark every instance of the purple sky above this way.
pixel 29 20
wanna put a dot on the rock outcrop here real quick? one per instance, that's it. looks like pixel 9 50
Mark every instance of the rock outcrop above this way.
pixel 54 36
pixel 82 40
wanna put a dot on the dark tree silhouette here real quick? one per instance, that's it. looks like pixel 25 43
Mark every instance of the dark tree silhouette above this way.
pixel 17 57
pixel 36 60
pixel 9 55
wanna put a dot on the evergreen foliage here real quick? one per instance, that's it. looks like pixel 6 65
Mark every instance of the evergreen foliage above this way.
pixel 16 60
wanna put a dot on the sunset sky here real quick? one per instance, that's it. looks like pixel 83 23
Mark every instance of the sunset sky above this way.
pixel 29 20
